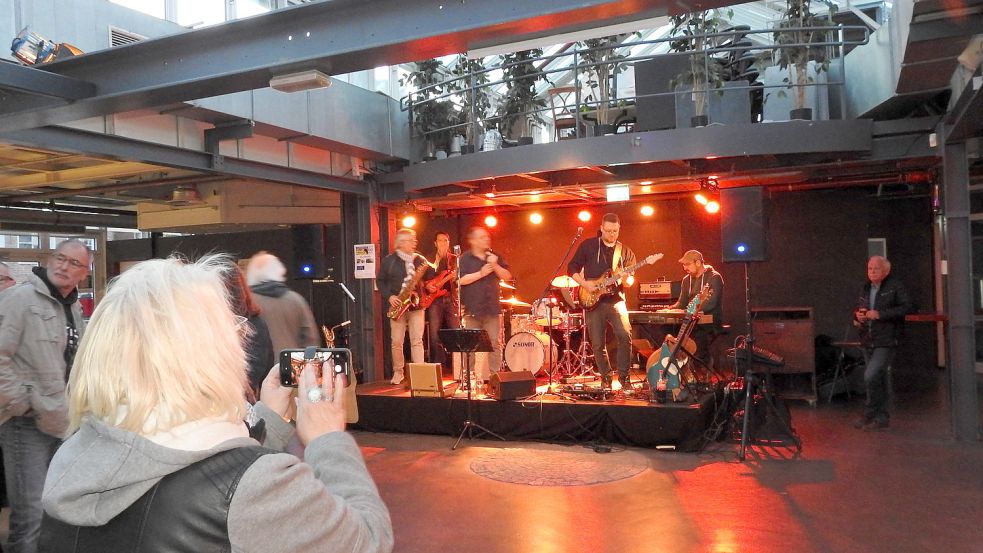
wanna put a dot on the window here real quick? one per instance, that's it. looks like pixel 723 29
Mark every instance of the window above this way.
pixel 195 13
pixel 149 7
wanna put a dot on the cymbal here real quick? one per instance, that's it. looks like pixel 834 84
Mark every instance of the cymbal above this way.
pixel 546 322
pixel 564 281
pixel 506 285
pixel 515 303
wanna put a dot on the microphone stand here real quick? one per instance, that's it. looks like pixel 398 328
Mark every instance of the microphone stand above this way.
pixel 549 311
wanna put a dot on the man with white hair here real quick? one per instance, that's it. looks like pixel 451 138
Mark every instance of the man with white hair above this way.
pixel 284 311
pixel 6 281
pixel 396 273
pixel 879 316
pixel 41 325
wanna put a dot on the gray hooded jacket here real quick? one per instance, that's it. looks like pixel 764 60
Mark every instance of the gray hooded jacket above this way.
pixel 328 502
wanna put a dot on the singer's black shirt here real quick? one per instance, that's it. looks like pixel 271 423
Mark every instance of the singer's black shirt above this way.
pixel 480 298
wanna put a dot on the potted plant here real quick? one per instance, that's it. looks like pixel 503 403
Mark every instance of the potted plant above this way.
pixel 521 101
pixel 430 115
pixel 705 72
pixel 797 35
pixel 603 60
pixel 476 103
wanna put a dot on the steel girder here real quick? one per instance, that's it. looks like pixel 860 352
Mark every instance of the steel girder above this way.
pixel 115 147
pixel 338 36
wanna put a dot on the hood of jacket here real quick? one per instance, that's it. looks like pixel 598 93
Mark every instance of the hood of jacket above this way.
pixel 270 288
pixel 101 470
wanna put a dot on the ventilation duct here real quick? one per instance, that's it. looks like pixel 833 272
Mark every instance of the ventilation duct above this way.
pixel 185 195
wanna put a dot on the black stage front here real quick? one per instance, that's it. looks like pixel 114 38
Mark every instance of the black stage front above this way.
pixel 384 407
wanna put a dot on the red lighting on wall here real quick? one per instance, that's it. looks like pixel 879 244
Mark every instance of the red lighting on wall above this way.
pixel 648 210
pixel 701 198
pixel 491 221
pixel 584 216
pixel 712 207
pixel 535 218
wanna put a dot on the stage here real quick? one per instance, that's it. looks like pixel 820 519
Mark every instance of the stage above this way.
pixel 384 407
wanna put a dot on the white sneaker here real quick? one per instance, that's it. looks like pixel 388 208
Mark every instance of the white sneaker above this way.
pixel 397 377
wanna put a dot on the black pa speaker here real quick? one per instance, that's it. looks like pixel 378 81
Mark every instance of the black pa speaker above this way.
pixel 317 252
pixel 743 224
pixel 511 385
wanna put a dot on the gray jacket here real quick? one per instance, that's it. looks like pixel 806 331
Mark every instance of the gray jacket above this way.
pixel 328 502
pixel 287 315
pixel 32 349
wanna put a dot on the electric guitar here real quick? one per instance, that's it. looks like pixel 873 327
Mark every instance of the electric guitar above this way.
pixel 438 282
pixel 608 282
pixel 665 364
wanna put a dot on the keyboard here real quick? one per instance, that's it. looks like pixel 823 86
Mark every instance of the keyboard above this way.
pixel 663 317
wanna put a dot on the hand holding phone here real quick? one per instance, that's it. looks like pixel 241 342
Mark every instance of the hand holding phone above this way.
pixel 330 361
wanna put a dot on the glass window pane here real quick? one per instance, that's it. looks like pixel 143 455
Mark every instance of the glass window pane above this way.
pixel 194 13
pixel 55 239
pixel 150 7
pixel 247 8
pixel 19 241
pixel 20 270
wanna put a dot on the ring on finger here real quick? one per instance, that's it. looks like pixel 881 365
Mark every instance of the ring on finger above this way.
pixel 314 395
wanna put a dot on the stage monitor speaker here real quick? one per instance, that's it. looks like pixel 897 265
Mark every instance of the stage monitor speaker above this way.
pixel 743 224
pixel 426 379
pixel 511 385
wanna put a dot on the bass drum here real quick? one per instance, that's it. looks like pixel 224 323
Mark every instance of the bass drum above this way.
pixel 527 351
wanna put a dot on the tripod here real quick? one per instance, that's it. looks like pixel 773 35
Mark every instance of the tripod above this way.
pixel 550 368
pixel 743 357
pixel 467 341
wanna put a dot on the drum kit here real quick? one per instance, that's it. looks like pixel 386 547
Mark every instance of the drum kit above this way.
pixel 534 339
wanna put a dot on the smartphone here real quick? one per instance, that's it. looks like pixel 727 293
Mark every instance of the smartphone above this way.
pixel 336 360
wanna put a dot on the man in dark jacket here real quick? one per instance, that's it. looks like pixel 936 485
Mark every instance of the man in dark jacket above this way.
pixel 286 313
pixel 41 326
pixel 698 275
pixel 396 271
pixel 879 315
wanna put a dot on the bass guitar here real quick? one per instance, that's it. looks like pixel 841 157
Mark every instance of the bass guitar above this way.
pixel 438 283
pixel 408 296
pixel 664 366
pixel 608 282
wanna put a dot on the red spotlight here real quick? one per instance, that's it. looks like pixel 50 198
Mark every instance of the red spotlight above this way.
pixel 491 221
pixel 701 198
pixel 535 218
pixel 712 207
pixel 584 216
pixel 409 221
pixel 648 210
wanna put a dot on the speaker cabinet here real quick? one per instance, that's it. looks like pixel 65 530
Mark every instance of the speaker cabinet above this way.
pixel 317 252
pixel 426 379
pixel 743 224
pixel 511 385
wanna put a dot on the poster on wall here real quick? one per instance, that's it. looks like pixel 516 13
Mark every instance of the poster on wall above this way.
pixel 364 260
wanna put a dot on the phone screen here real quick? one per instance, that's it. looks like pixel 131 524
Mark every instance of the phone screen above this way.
pixel 335 360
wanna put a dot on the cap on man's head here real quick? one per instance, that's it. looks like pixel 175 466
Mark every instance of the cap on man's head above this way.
pixel 690 256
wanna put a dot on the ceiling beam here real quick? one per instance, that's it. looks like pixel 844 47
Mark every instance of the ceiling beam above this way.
pixel 335 37
pixel 37 81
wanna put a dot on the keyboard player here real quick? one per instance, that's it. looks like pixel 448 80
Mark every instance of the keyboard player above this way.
pixel 699 273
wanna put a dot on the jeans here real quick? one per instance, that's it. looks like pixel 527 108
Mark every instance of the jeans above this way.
pixel 441 314
pixel 615 314
pixel 26 454
pixel 493 326
pixel 413 320
pixel 877 361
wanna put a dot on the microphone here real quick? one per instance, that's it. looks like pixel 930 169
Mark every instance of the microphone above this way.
pixel 457 249
pixel 344 324
pixel 580 230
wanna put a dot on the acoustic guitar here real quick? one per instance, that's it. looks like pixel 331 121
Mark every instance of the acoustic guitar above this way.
pixel 608 282
pixel 665 364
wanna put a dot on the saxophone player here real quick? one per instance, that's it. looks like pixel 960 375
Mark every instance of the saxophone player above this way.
pixel 396 283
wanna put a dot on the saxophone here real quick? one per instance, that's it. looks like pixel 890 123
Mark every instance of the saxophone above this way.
pixel 408 296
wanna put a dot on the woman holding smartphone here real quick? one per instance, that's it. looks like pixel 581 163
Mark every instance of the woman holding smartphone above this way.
pixel 160 458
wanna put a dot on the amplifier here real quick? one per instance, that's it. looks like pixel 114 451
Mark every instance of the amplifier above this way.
pixel 426 379
pixel 658 290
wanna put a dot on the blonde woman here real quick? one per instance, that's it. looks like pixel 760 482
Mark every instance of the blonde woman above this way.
pixel 161 459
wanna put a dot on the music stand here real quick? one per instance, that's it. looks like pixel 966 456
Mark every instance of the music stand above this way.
pixel 467 341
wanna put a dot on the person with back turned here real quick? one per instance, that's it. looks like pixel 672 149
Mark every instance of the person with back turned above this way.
pixel 879 316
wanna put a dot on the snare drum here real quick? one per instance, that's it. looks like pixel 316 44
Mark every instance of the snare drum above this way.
pixel 523 323
pixel 527 351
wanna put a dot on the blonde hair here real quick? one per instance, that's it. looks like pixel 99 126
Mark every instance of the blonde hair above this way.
pixel 162 349
pixel 264 267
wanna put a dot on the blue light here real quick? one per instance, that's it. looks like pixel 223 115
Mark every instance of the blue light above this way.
pixel 306 268
pixel 741 248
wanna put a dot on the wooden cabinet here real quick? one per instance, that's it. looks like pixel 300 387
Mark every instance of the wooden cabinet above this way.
pixel 789 332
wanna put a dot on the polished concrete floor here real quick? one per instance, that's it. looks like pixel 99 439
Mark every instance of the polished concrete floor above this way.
pixel 909 488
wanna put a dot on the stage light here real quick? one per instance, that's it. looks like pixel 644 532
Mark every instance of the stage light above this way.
pixel 645 182
pixel 409 221
pixel 701 198
pixel 584 216
pixel 741 248
pixel 490 195
pixel 491 221
pixel 306 269
pixel 618 193
pixel 630 280
pixel 712 207
pixel 646 189
pixel 535 218
pixel 648 210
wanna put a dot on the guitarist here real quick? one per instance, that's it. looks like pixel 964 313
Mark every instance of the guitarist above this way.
pixel 442 313
pixel 593 257
pixel 395 270
pixel 698 273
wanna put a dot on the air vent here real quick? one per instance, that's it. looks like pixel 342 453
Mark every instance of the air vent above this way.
pixel 119 37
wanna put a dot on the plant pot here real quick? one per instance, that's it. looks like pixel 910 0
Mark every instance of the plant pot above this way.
pixel 699 120
pixel 601 130
pixel 467 149
pixel 804 114
pixel 440 154
pixel 525 140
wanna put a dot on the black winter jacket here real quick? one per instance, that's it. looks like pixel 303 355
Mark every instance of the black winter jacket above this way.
pixel 892 304
pixel 392 273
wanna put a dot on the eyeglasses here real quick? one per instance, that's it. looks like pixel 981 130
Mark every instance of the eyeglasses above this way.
pixel 62 259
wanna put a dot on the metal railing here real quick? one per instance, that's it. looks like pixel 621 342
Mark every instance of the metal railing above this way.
pixel 462 90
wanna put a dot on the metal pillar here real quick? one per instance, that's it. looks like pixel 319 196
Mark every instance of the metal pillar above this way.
pixel 961 373
pixel 357 228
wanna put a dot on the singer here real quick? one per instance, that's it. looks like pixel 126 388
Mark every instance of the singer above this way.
pixel 594 256
pixel 481 269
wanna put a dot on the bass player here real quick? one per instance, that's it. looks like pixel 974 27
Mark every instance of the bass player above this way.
pixel 397 273
pixel 442 313
pixel 699 274
pixel 593 257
